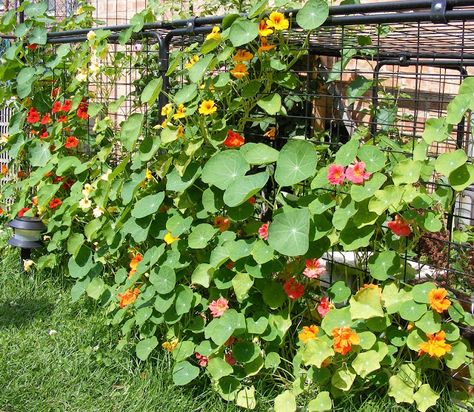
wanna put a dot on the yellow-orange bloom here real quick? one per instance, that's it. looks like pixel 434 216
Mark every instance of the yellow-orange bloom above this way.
pixel 169 238
pixel 180 131
pixel 192 61
pixel 242 55
pixel 215 34
pixel 438 301
pixel 134 264
pixel 170 345
pixel 344 338
pixel 271 133
pixel 278 21
pixel 207 107
pixel 436 345
pixel 167 109
pixel 308 333
pixel 128 297
pixel 239 71
pixel 263 29
pixel 372 286
pixel 264 46
pixel 180 112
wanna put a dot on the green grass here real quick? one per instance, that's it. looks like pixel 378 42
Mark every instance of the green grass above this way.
pixel 78 368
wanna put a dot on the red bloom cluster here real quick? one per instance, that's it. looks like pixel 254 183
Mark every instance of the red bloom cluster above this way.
pixel 55 203
pixel 293 289
pixel 233 139
pixel 399 227
pixel 71 142
pixel 82 110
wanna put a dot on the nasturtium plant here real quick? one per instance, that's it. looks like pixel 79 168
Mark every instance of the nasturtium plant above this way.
pixel 203 231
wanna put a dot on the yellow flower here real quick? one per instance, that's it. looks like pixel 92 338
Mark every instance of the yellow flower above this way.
pixel 207 107
pixel 4 138
pixel 438 301
pixel 436 345
pixel 263 29
pixel 239 71
pixel 167 109
pixel 180 131
pixel 308 333
pixel 170 345
pixel 278 21
pixel 169 238
pixel 91 36
pixel 180 112
pixel 87 190
pixel 148 174
pixel 192 61
pixel 242 55
pixel 164 123
pixel 215 34
pixel 27 264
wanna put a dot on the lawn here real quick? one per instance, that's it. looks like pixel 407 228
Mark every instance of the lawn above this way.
pixel 59 356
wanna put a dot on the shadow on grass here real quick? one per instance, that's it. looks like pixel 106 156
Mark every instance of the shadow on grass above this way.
pixel 18 312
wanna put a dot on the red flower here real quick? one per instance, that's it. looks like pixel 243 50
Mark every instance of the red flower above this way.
pixel 293 289
pixel 22 211
pixel 233 139
pixel 21 174
pixel 32 47
pixel 62 119
pixel 55 203
pixel 67 184
pixel 399 227
pixel 55 92
pixel 33 116
pixel 71 142
pixel 56 107
pixel 230 359
pixel 46 119
pixel 67 106
pixel 82 110
pixel 252 200
pixel 44 134
pixel 263 231
pixel 58 179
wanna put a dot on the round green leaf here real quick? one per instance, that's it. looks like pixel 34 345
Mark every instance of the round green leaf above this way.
pixel 367 340
pixel 245 351
pixel 336 318
pixel 339 292
pixel 221 329
pixel 373 158
pixel 242 31
pixel 147 205
pixel 285 402
pixel 296 163
pixel 425 398
pixel 259 153
pixel 414 340
pixel 452 331
pixel 183 350
pixel 202 275
pixel 430 322
pixel 400 390
pixel 313 14
pixel 321 403
pixel 288 234
pixel 384 265
pixel 244 188
pixel 201 235
pixel 184 299
pixel 271 103
pixel 163 278
pixel 184 372
pixel 219 368
pixel 406 172
pixel 448 162
pixel 462 177
pixel 224 168
pixel 366 304
pixel 412 311
pixel 316 351
pixel 343 378
pixel 347 153
pixel 145 347
pixel 151 91
pixel 456 356
pixel 366 362
pixel 420 292
pixel 368 189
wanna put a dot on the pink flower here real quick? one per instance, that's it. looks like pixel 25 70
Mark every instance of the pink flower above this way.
pixel 314 268
pixel 324 306
pixel 356 173
pixel 336 174
pixel 263 231
pixel 218 307
pixel 230 359
pixel 203 360
pixel 293 289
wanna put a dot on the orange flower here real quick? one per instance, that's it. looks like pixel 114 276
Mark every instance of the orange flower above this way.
pixel 221 222
pixel 271 133
pixel 438 301
pixel 263 29
pixel 372 286
pixel 265 46
pixel 344 338
pixel 133 265
pixel 278 21
pixel 233 139
pixel 242 55
pixel 239 71
pixel 128 297
pixel 180 131
pixel 308 333
pixel 4 169
pixel 436 345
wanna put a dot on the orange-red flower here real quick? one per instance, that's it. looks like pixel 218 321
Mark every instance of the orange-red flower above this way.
pixel 44 135
pixel 263 29
pixel 33 116
pixel 265 46
pixel 82 110
pixel 399 227
pixel 271 133
pixel 233 139
pixel 66 106
pixel 22 211
pixel 56 107
pixel 308 333
pixel 436 345
pixel 239 71
pixel 4 169
pixel 222 223
pixel 128 297
pixel 46 119
pixel 62 119
pixel 55 203
pixel 438 301
pixel 71 142
pixel 343 339
pixel 32 47
pixel 242 55
pixel 293 289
